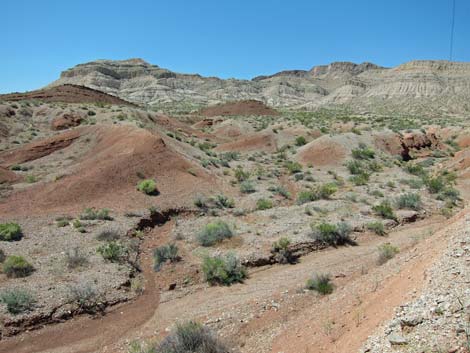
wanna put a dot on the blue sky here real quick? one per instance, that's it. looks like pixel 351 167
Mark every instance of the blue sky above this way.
pixel 237 38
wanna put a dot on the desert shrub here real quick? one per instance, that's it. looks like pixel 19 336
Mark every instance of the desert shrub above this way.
pixel 164 253
pixel 282 253
pixel 333 234
pixel 386 252
pixel 293 167
pixel 376 227
pixel 92 213
pixel 360 179
pixel 450 194
pixel 222 201
pixel 320 283
pixel 300 141
pixel 385 210
pixel 16 266
pixel 75 258
pixel 148 187
pixel 241 175
pixel 305 196
pixel 108 235
pixel 10 232
pixel 63 221
pixel 2 256
pixel 409 200
pixel 355 167
pixel 85 296
pixel 78 226
pixel 413 183
pixel 247 187
pixel 326 190
pixel 17 300
pixel 230 156
pixel 280 190
pixel 113 251
pixel 91 113
pixel 31 179
pixel 213 233
pixel 223 270
pixel 189 337
pixel 264 204
pixel 435 184
pixel 374 166
pixel 416 169
pixel 363 152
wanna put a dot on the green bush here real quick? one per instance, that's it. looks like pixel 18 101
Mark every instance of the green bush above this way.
pixel 2 256
pixel 410 201
pixel 264 204
pixel 113 251
pixel 333 234
pixel 282 253
pixel 360 179
pixel 85 296
pixel 222 201
pixel 188 337
pixel 17 300
pixel 92 214
pixel 293 167
pixel 163 254
pixel 320 283
pixel 241 175
pixel 376 227
pixel 247 187
pixel 16 266
pixel 435 184
pixel 386 252
pixel 355 167
pixel 213 233
pixel 223 270
pixel 10 231
pixel 148 187
pixel 322 192
pixel 385 210
pixel 363 152
pixel 280 190
pixel 300 141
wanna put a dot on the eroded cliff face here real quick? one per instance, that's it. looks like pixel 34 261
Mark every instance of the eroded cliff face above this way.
pixel 416 87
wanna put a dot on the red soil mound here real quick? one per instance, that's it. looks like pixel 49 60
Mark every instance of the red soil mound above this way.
pixel 322 152
pixel 66 121
pixel 38 149
pixel 107 176
pixel 248 107
pixel 256 142
pixel 7 176
pixel 67 94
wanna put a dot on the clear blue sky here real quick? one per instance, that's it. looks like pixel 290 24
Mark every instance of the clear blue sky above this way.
pixel 236 38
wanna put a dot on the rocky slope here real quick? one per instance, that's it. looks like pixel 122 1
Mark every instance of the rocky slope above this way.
pixel 430 87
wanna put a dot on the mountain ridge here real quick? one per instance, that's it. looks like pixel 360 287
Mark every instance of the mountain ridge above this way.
pixel 419 86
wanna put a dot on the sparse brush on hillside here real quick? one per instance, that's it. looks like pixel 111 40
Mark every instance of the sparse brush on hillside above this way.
pixel 16 266
pixel 282 253
pixel 385 210
pixel 17 300
pixel 386 252
pixel 148 187
pixel 410 201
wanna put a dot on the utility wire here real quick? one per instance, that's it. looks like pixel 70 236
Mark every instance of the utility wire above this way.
pixel 452 31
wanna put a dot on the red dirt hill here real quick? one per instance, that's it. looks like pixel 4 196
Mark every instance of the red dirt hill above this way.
pixel 67 94
pixel 107 174
pixel 247 107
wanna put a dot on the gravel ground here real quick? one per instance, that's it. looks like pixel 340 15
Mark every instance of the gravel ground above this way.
pixel 439 320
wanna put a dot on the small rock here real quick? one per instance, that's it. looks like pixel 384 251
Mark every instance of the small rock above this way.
pixel 397 339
